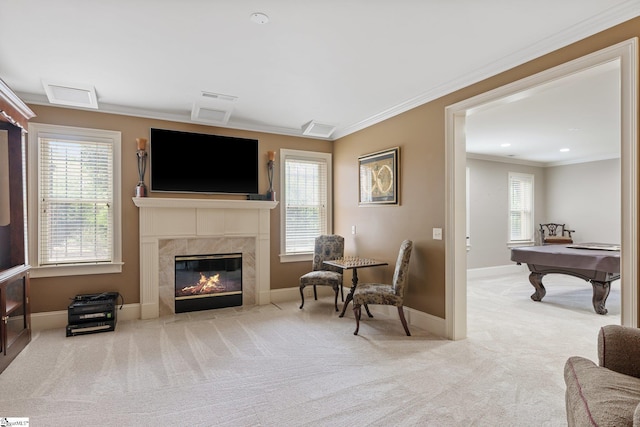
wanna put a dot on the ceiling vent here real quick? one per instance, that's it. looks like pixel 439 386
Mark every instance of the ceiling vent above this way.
pixel 320 130
pixel 71 95
pixel 210 114
pixel 213 108
pixel 219 96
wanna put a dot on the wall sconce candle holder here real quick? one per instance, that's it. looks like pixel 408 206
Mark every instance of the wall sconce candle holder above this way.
pixel 271 195
pixel 141 189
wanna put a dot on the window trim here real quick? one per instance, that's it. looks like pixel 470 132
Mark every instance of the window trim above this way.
pixel 311 155
pixel 115 266
pixel 521 242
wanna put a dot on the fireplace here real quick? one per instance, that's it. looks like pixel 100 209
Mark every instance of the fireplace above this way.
pixel 170 227
pixel 204 282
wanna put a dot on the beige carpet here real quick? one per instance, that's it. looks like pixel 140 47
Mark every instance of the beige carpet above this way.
pixel 277 365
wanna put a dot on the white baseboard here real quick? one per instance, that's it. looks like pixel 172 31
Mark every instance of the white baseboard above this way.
pixel 433 324
pixel 499 270
pixel 428 322
pixel 292 294
pixel 285 295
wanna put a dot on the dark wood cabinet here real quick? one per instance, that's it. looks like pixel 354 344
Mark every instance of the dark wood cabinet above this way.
pixel 15 312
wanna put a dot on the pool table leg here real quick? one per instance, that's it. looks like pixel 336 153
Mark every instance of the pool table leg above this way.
pixel 536 280
pixel 600 294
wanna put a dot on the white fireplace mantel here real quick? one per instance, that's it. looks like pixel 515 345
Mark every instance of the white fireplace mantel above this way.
pixel 173 218
pixel 174 203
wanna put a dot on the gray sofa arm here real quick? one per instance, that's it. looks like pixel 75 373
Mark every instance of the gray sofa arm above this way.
pixel 619 349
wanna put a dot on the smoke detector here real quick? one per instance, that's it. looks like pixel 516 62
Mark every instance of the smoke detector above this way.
pixel 259 18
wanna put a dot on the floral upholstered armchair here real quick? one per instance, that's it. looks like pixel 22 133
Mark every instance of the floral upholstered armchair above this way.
pixel 327 247
pixel 393 294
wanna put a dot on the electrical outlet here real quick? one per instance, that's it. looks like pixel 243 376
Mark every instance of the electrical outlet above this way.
pixel 353 230
pixel 437 234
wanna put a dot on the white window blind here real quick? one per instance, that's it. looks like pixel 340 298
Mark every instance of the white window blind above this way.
pixel 520 207
pixel 305 199
pixel 75 201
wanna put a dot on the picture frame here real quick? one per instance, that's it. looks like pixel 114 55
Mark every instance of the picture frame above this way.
pixel 378 178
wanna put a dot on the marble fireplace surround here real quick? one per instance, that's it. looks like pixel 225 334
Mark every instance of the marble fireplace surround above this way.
pixel 171 226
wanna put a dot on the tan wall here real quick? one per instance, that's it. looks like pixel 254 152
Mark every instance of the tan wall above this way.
pixel 381 229
pixel 51 294
pixel 420 133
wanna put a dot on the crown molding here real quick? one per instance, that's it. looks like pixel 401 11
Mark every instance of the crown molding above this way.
pixel 35 99
pixel 614 16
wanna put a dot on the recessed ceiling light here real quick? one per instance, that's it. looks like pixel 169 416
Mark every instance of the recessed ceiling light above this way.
pixel 259 18
pixel 506 144
pixel 564 150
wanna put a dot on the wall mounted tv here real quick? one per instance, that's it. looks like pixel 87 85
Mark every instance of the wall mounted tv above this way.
pixel 185 162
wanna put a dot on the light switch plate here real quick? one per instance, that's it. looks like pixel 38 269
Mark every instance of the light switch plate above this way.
pixel 437 234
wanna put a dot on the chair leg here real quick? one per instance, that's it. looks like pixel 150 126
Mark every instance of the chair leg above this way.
pixel 336 300
pixel 315 293
pixel 366 307
pixel 403 320
pixel 357 312
pixel 302 296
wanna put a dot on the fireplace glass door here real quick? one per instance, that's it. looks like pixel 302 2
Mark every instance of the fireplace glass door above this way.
pixel 203 282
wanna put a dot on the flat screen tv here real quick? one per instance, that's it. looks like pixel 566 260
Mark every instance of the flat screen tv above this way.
pixel 185 162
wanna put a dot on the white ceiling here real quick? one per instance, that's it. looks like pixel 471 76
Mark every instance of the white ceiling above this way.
pixel 348 64
pixel 579 114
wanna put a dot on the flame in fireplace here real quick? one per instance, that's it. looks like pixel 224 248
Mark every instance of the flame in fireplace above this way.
pixel 205 285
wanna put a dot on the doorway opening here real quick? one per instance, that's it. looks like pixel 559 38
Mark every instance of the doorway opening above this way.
pixel 456 264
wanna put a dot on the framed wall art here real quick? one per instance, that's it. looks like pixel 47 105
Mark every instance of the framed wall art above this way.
pixel 378 177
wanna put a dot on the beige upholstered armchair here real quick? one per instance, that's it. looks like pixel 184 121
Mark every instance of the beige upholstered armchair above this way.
pixel 552 233
pixel 327 247
pixel 393 294
pixel 606 393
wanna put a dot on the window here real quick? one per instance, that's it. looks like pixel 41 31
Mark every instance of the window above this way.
pixel 306 196
pixel 520 208
pixel 74 201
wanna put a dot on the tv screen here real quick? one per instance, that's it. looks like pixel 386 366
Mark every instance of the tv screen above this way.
pixel 186 162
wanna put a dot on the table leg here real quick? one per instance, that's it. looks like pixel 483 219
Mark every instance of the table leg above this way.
pixel 354 283
pixel 536 280
pixel 600 294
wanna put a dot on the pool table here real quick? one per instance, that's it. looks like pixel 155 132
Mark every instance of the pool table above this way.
pixel 597 263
